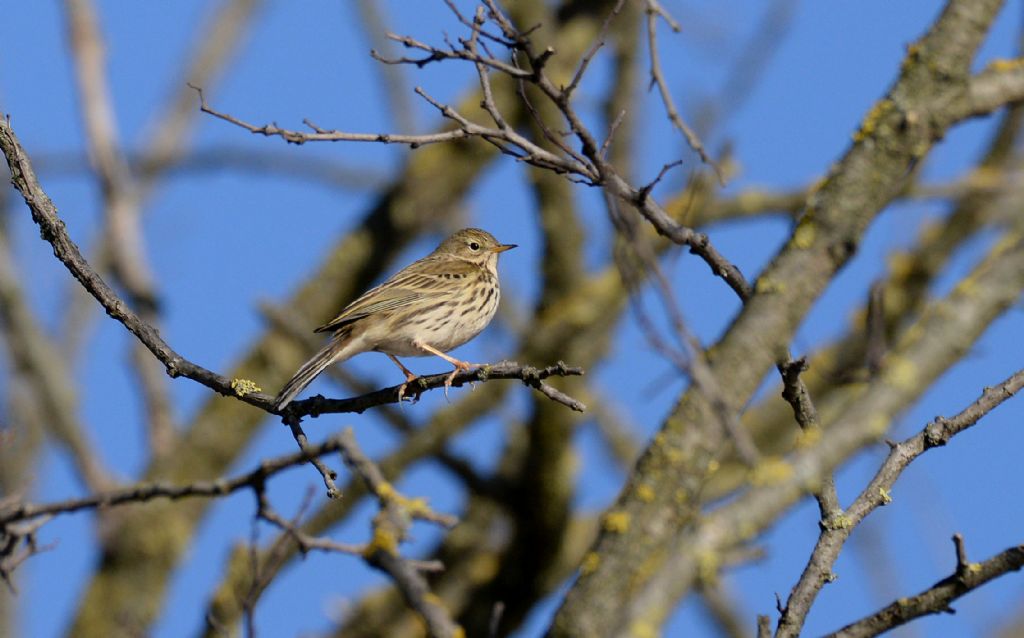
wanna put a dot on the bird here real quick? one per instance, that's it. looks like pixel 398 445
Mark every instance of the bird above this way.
pixel 431 306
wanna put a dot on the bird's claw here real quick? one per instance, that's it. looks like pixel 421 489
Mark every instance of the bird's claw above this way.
pixel 401 389
pixel 448 382
pixel 461 366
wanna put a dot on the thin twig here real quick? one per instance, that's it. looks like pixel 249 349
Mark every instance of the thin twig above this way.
pixel 305 542
pixel 326 473
pixel 594 48
pixel 795 392
pixel 143 492
pixel 297 137
pixel 658 79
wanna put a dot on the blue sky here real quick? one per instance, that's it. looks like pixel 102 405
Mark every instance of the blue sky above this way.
pixel 222 242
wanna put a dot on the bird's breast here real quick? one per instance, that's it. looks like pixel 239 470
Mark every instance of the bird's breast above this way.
pixel 469 313
pixel 447 322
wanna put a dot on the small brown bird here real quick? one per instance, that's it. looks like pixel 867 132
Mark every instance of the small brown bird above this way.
pixel 429 307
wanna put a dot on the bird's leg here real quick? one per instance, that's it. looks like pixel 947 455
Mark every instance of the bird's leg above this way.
pixel 460 366
pixel 409 376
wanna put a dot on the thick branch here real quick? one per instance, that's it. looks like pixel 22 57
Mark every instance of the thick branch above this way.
pixel 1001 83
pixel 663 494
pixel 922 352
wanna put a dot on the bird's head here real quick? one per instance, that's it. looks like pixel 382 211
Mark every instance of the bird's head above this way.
pixel 473 245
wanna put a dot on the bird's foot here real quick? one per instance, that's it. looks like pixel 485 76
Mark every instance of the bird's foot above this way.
pixel 409 378
pixel 460 366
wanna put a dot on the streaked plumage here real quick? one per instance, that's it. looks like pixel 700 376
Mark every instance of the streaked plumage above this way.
pixel 430 307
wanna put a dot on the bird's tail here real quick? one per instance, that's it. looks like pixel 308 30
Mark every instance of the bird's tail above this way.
pixel 333 352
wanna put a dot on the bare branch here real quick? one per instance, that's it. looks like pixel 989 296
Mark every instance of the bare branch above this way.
pixel 616 123
pixel 999 83
pixel 691 360
pixel 645 191
pixel 655 6
pixel 533 377
pixel 305 542
pixel 658 79
pixel 795 392
pixel 836 531
pixel 326 473
pixel 437 55
pixel 17 544
pixel 936 599
pixel 390 528
pixel 44 213
pixel 12 512
pixel 591 167
pixel 589 55
pixel 477 27
pixel 298 137
pixel 859 186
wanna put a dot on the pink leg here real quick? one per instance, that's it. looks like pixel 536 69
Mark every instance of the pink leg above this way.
pixel 409 376
pixel 459 365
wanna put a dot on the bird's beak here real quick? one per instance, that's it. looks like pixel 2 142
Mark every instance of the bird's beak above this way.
pixel 500 248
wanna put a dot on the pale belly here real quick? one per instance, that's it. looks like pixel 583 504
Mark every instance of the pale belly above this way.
pixel 442 331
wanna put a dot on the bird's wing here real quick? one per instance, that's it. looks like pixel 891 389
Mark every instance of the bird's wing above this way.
pixel 421 281
pixel 380 299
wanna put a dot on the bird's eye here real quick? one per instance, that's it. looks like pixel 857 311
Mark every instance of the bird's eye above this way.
pixel 474 246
